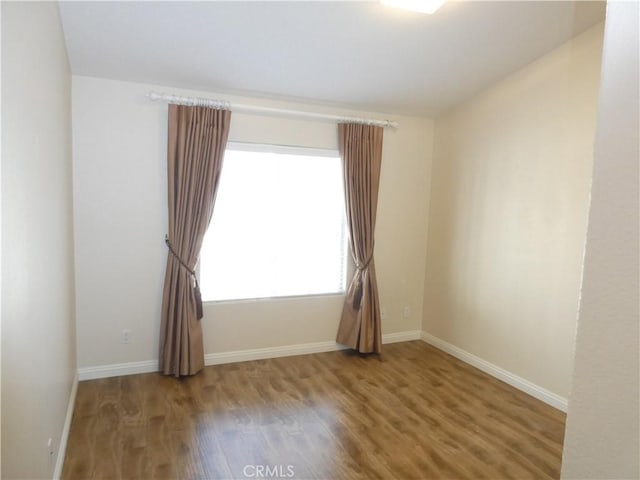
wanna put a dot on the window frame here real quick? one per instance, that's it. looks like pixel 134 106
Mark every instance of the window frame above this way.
pixel 292 150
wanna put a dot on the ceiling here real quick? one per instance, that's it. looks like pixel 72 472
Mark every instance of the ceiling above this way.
pixel 361 55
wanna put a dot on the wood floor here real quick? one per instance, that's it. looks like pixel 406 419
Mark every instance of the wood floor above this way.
pixel 412 413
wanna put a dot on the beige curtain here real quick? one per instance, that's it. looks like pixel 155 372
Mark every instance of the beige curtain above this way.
pixel 361 151
pixel 196 143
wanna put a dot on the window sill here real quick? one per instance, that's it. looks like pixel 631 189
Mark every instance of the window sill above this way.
pixel 271 299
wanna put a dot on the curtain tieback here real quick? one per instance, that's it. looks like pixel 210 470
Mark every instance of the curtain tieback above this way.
pixel 362 266
pixel 199 312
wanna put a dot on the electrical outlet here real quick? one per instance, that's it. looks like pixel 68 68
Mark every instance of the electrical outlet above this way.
pixel 406 312
pixel 383 313
pixel 125 337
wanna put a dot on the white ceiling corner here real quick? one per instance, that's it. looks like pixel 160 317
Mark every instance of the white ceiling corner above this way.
pixel 357 54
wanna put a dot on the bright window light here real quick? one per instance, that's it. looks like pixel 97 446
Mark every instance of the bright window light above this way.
pixel 278 226
pixel 422 6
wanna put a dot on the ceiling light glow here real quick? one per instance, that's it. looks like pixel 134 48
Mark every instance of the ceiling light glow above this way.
pixel 422 6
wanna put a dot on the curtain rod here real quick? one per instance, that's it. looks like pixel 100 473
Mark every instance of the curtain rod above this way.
pixel 222 104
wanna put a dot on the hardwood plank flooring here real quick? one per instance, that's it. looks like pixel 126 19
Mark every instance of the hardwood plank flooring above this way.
pixel 412 413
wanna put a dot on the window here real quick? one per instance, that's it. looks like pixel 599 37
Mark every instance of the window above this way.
pixel 278 225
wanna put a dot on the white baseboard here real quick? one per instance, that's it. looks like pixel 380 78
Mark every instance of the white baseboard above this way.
pixel 299 349
pixel 116 370
pixel 501 374
pixel 62 447
pixel 119 369
pixel 402 336
pixel 270 352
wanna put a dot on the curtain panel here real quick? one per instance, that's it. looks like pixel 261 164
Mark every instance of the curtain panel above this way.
pixel 197 137
pixel 360 148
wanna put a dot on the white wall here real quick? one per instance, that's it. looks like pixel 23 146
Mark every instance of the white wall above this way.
pixel 507 223
pixel 120 222
pixel 38 342
pixel 603 422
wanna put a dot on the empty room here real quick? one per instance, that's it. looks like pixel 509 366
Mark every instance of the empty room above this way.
pixel 391 239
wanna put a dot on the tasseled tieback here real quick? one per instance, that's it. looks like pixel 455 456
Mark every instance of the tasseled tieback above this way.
pixel 365 265
pixel 199 312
